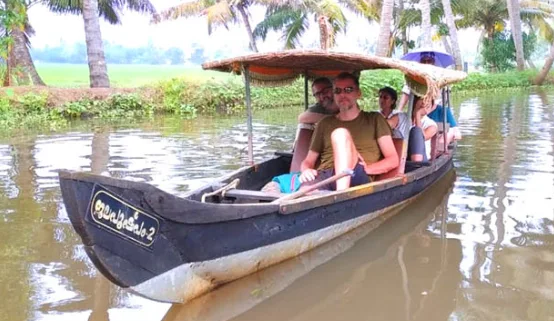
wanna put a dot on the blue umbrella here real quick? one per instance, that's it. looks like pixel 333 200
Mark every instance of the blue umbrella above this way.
pixel 442 59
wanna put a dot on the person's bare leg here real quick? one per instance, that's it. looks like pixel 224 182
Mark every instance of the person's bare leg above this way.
pixel 345 155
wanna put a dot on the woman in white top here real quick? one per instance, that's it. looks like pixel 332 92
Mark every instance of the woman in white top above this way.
pixel 398 121
pixel 423 129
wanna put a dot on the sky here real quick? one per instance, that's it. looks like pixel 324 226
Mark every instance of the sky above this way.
pixel 136 30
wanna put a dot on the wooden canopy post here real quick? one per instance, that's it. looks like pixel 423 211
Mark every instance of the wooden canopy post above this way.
pixel 445 104
pixel 306 90
pixel 248 102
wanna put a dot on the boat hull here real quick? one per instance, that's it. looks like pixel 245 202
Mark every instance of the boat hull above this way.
pixel 191 256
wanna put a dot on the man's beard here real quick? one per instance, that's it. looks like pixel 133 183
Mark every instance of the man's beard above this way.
pixel 327 103
pixel 343 107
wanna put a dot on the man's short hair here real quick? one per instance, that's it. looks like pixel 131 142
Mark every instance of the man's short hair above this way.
pixel 391 92
pixel 347 75
pixel 322 81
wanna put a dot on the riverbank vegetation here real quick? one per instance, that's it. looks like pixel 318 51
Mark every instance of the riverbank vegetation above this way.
pixel 197 93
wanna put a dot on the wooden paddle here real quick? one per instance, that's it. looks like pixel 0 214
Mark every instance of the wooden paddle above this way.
pixel 315 186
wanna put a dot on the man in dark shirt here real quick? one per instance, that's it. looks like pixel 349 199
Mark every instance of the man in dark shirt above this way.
pixel 322 89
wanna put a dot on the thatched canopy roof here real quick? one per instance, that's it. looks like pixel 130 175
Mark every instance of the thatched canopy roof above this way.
pixel 275 68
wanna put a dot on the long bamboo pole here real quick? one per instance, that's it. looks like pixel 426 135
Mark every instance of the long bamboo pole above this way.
pixel 248 101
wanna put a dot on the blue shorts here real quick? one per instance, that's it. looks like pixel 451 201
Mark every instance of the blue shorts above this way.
pixel 288 183
pixel 360 177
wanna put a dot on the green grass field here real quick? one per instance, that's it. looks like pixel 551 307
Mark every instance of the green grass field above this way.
pixel 72 75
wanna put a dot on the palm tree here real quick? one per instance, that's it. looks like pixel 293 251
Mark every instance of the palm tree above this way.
pixel 19 56
pixel 403 35
pixel 292 19
pixel 16 29
pixel 91 11
pixel 545 68
pixel 453 32
pixel 425 7
pixel 98 71
pixel 489 15
pixel 384 37
pixel 480 14
pixel 217 12
pixel 515 23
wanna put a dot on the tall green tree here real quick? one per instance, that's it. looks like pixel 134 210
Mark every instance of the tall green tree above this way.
pixel 490 17
pixel 91 10
pixel 292 19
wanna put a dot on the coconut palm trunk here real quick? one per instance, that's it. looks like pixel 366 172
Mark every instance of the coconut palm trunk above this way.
pixel 425 7
pixel 22 58
pixel 403 35
pixel 98 70
pixel 248 27
pixel 383 39
pixel 453 32
pixel 446 44
pixel 515 23
pixel 546 68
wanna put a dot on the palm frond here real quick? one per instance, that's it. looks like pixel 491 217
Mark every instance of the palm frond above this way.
pixel 409 18
pixel 65 6
pixel 219 14
pixel 184 10
pixel 369 9
pixel 109 10
pixel 332 10
pixel 143 6
pixel 295 30
pixel 545 29
pixel 546 7
pixel 277 17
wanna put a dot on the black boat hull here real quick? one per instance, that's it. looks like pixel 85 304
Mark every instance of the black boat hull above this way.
pixel 177 248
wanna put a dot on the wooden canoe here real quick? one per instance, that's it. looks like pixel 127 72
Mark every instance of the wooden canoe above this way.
pixel 173 249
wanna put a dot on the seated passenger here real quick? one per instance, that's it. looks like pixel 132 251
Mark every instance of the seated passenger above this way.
pixel 423 129
pixel 398 121
pixel 437 114
pixel 322 90
pixel 353 139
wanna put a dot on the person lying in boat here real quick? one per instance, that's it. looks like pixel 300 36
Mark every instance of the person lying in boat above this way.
pixel 398 121
pixel 352 139
pixel 322 90
pixel 423 129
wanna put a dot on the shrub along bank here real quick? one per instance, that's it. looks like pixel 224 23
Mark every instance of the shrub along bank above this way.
pixel 187 98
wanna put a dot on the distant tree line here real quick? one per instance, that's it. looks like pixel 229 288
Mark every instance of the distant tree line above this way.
pixel 118 54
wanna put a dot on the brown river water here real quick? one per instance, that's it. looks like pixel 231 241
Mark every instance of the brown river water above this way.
pixel 479 245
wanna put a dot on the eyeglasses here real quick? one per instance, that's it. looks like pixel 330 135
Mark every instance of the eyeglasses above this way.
pixel 346 90
pixel 427 60
pixel 322 91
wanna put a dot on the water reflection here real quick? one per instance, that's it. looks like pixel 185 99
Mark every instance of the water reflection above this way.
pixel 314 287
pixel 485 253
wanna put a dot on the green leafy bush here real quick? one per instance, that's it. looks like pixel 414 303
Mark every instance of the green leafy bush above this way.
pixel 499 53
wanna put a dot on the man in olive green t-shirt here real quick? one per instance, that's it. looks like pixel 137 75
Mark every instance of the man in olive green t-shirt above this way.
pixel 352 139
